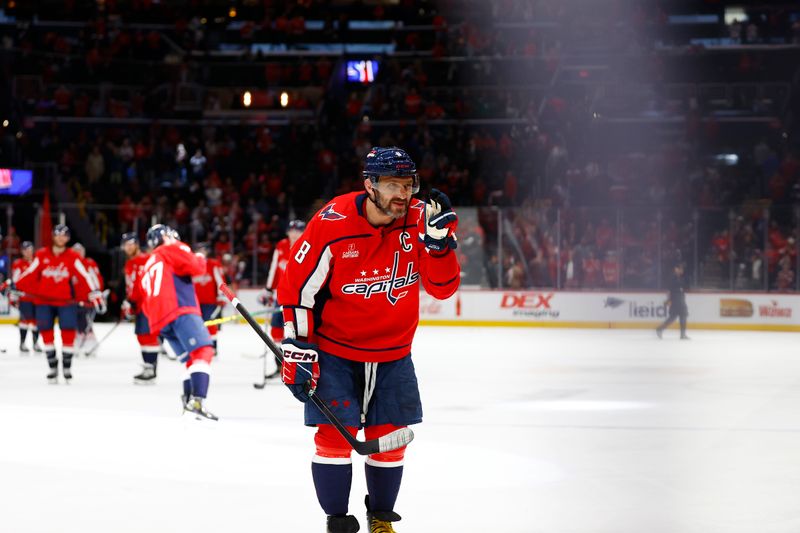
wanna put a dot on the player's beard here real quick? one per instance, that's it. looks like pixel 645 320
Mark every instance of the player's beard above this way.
pixel 392 207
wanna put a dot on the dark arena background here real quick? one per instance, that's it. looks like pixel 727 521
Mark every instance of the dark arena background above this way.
pixel 590 148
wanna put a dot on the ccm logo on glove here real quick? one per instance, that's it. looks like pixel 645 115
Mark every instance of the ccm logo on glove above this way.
pixel 299 356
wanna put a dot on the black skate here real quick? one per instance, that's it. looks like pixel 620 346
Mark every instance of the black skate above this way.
pixel 67 373
pixel 36 348
pixel 147 376
pixel 52 376
pixel 343 524
pixel 196 407
pixel 380 521
pixel 23 350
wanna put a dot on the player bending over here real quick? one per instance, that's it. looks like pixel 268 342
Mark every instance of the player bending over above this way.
pixel 170 304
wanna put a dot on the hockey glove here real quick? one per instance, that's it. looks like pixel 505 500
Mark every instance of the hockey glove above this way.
pixel 300 368
pixel 98 301
pixel 266 298
pixel 127 310
pixel 13 297
pixel 438 224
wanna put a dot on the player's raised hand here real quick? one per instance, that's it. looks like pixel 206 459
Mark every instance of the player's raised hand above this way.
pixel 300 368
pixel 438 223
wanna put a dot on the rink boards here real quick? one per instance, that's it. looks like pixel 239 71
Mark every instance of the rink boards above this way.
pixel 567 309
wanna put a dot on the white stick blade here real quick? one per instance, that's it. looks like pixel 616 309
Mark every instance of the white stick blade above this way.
pixel 396 439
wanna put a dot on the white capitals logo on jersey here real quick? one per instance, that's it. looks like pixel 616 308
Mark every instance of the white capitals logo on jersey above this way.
pixel 201 280
pixel 389 286
pixel 57 273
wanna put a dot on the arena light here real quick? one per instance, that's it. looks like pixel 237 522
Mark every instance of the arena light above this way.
pixel 232 12
pixel 284 99
pixel 5 123
pixel 247 99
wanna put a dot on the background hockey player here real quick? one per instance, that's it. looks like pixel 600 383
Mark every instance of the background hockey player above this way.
pixel 27 309
pixel 170 305
pixel 132 307
pixel 350 296
pixel 280 257
pixel 58 280
pixel 85 339
pixel 206 287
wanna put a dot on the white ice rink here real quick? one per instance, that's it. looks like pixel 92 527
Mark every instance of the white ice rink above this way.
pixel 526 430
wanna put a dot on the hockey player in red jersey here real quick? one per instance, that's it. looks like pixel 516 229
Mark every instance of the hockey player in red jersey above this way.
pixel 85 339
pixel 170 305
pixel 280 257
pixel 350 296
pixel 132 307
pixel 206 287
pixel 27 309
pixel 58 280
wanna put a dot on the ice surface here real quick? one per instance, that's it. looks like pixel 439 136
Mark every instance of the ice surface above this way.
pixel 525 430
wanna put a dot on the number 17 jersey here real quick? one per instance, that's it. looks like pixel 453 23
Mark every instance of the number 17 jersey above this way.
pixel 167 286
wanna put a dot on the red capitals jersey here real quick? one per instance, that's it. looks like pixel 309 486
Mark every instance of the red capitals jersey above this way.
pixel 353 288
pixel 280 258
pixel 94 270
pixel 134 270
pixel 56 279
pixel 167 284
pixel 17 268
pixel 206 285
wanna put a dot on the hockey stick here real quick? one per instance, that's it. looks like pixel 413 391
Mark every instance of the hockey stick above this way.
pixel 61 301
pixel 263 383
pixel 394 440
pixel 107 335
pixel 223 320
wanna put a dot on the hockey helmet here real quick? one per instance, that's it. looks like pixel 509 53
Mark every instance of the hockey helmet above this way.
pixel 130 236
pixel 156 234
pixel 61 229
pixel 390 161
pixel 297 225
pixel 79 248
pixel 25 245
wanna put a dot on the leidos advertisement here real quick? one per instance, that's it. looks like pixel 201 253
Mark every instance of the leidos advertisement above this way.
pixel 638 306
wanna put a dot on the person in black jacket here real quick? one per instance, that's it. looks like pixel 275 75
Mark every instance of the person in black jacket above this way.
pixel 677 302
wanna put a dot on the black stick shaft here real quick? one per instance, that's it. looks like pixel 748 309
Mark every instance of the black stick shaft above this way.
pixel 107 335
pixel 357 445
